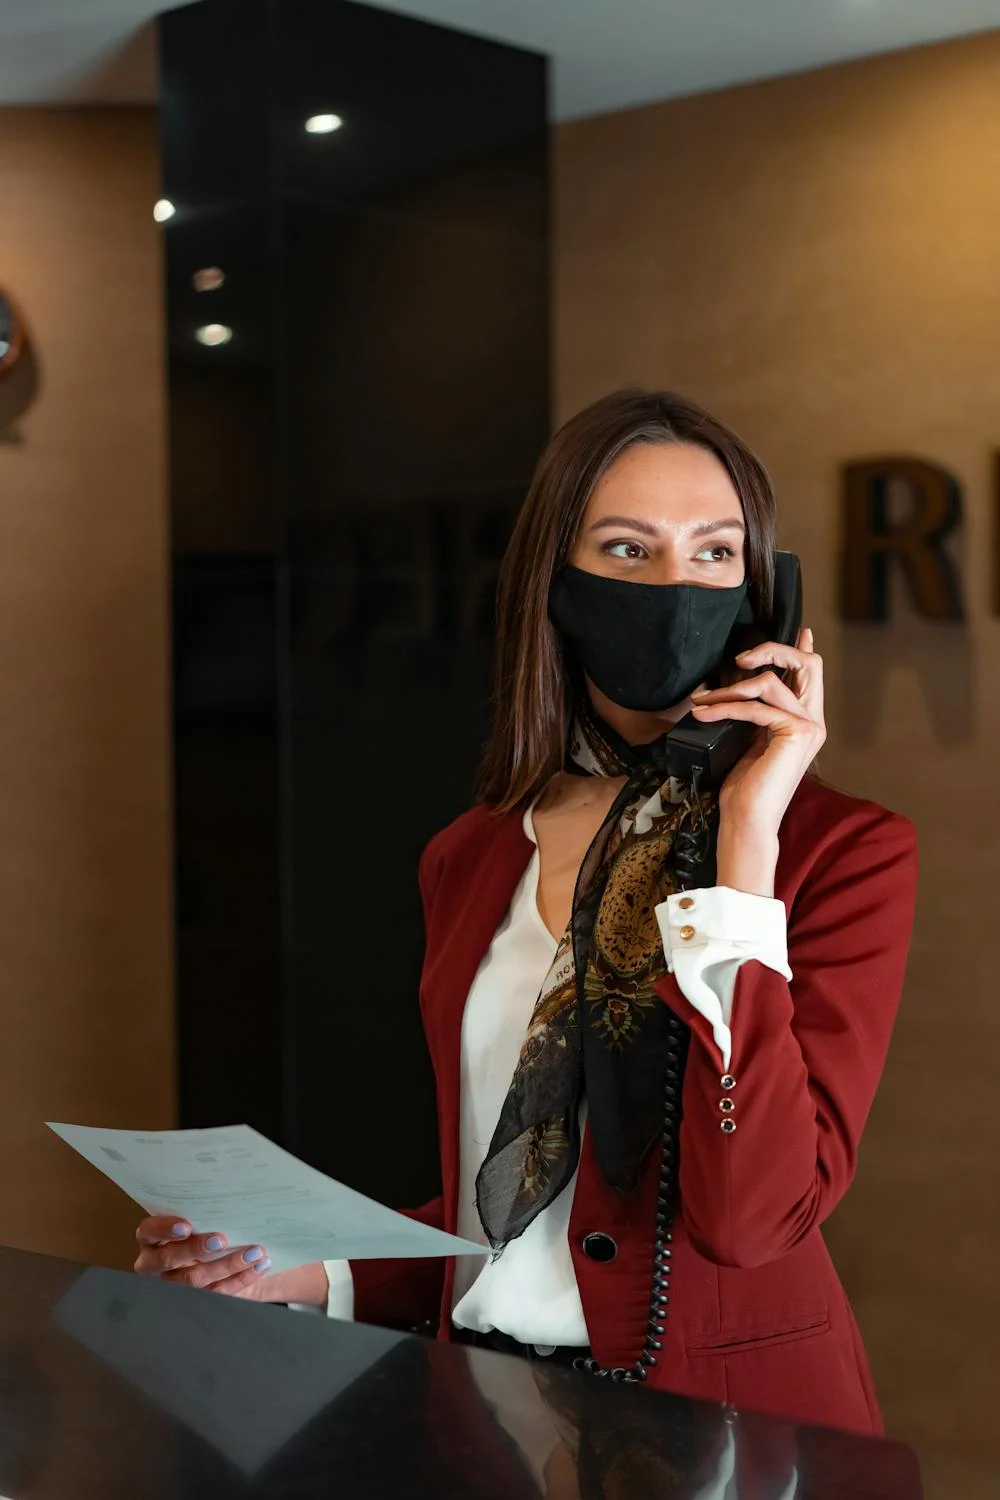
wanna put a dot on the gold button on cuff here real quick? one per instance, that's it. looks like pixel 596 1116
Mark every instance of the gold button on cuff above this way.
pixel 687 933
pixel 728 1126
pixel 686 903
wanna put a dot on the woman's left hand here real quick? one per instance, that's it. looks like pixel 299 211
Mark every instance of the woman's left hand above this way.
pixel 756 793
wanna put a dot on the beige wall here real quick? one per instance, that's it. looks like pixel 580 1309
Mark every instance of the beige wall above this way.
pixel 817 259
pixel 85 981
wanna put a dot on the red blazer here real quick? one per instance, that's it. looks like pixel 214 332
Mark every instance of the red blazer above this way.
pixel 757 1316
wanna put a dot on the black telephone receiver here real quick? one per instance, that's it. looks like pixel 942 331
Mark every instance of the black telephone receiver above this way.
pixel 706 753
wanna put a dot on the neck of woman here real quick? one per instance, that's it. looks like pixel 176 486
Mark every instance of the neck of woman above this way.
pixel 636 727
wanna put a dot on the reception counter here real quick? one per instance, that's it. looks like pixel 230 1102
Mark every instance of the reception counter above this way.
pixel 112 1386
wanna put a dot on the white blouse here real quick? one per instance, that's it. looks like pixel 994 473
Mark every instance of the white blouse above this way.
pixel 530 1291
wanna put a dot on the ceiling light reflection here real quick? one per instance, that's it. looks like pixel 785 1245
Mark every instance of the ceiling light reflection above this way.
pixel 208 279
pixel 213 334
pixel 323 124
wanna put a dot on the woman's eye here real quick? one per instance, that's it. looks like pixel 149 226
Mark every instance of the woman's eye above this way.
pixel 718 554
pixel 626 551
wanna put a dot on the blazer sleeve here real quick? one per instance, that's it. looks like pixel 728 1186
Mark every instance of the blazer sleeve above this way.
pixel 402 1293
pixel 768 1148
pixel 406 1293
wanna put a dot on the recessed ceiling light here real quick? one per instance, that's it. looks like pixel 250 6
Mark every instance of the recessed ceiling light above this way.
pixel 163 210
pixel 323 124
pixel 208 279
pixel 213 334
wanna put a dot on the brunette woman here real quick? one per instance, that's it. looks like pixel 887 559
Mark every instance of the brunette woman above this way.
pixel 651 1083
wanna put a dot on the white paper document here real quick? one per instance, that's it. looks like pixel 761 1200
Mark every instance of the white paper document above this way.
pixel 246 1379
pixel 235 1182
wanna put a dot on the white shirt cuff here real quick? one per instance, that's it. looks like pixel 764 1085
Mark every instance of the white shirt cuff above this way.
pixel 707 936
pixel 340 1293
pixel 340 1300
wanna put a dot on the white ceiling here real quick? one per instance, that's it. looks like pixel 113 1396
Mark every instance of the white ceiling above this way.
pixel 608 54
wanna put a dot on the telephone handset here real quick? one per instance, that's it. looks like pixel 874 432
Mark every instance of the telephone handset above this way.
pixel 708 752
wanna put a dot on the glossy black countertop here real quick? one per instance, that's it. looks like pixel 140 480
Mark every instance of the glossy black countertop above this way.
pixel 112 1386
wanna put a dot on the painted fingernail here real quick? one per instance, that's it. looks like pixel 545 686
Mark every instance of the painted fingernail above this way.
pixel 265 1265
pixel 215 1243
pixel 251 1255
pixel 180 1231
pixel 701 693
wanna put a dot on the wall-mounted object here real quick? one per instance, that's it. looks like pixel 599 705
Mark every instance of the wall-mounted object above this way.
pixel 18 371
pixel 916 543
pixel 11 336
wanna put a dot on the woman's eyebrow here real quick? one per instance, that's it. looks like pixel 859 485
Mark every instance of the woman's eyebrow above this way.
pixel 704 528
pixel 630 523
pixel 734 523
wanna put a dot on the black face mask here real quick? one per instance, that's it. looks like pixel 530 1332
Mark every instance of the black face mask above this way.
pixel 646 645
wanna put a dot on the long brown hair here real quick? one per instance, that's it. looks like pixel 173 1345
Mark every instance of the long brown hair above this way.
pixel 532 699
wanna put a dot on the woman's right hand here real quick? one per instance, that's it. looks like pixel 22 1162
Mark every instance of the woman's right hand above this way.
pixel 170 1251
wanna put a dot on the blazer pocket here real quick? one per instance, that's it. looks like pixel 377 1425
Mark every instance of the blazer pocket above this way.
pixel 735 1342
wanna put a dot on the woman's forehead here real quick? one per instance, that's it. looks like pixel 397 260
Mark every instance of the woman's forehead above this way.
pixel 668 483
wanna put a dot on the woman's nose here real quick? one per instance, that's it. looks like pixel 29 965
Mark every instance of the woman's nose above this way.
pixel 667 566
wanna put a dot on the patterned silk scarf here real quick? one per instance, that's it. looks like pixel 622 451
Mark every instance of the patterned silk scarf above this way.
pixel 598 1031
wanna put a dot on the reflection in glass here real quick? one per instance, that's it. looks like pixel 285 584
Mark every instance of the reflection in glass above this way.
pixel 247 1385
pixel 323 124
pixel 208 279
pixel 213 334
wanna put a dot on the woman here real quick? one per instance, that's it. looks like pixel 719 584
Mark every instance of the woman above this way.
pixel 651 1080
